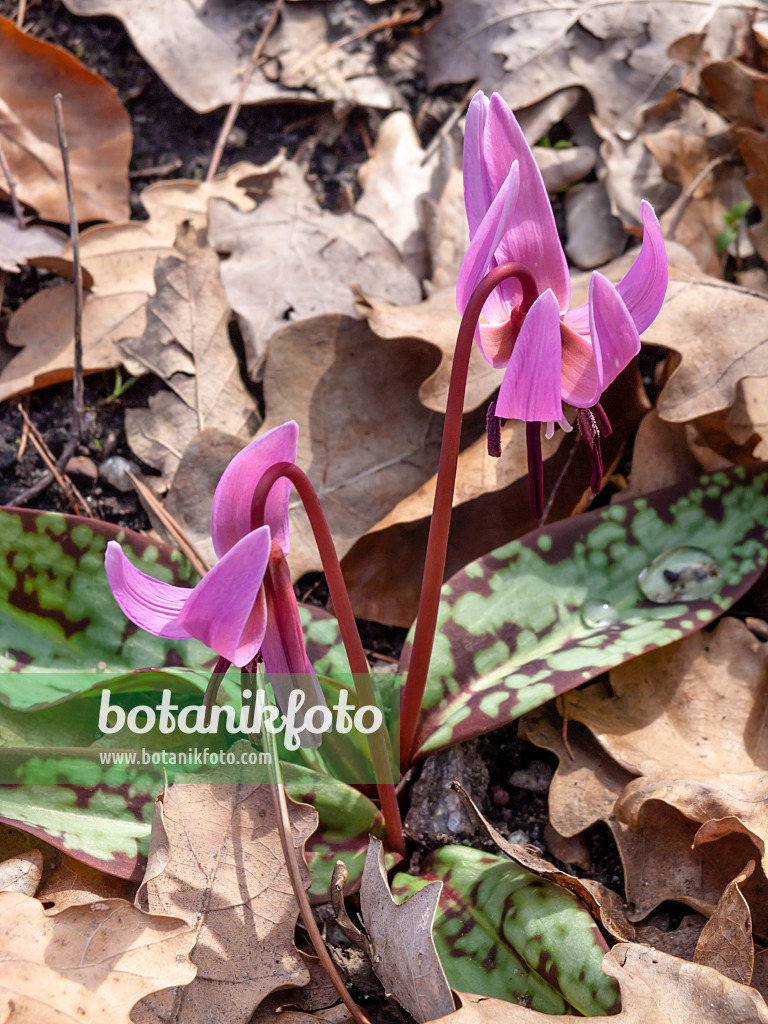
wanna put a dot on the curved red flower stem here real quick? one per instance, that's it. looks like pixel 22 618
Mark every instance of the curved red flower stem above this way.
pixel 437 544
pixel 377 744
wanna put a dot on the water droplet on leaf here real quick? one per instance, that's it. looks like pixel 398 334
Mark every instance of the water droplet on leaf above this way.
pixel 680 574
pixel 599 613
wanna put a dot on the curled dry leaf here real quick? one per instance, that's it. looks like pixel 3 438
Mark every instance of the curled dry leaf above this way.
pixel 186 343
pixel 22 873
pixel 404 956
pixel 119 261
pixel 19 246
pixel 98 130
pixel 655 989
pixel 215 860
pixel 364 439
pixel 72 883
pixel 303 259
pixel 87 963
pixel 725 942
pixel 393 180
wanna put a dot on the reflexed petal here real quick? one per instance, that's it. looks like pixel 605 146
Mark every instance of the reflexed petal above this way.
pixel 479 255
pixel 150 603
pixel 530 236
pixel 582 371
pixel 531 389
pixel 231 511
pixel 478 194
pixel 644 285
pixel 614 335
pixel 226 611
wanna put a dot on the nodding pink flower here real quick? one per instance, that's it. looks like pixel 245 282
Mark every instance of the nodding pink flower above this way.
pixel 245 605
pixel 550 355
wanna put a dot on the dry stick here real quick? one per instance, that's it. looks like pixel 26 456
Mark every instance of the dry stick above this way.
pixel 687 194
pixel 24 433
pixel 377 743
pixel 234 110
pixel 77 366
pixel 560 477
pixel 17 210
pixel 73 495
pixel 291 862
pixel 20 14
pixel 150 502
pixel 440 524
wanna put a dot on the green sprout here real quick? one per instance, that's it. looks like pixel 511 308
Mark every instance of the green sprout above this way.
pixel 732 219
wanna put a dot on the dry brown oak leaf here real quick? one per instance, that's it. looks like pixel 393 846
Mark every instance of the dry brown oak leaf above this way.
pixel 98 131
pixel 199 49
pixel 186 343
pixel 656 988
pixel 20 246
pixel 290 259
pixel 365 440
pixel 90 963
pixel 686 719
pixel 726 942
pixel 215 860
pixel 119 263
pixel 403 952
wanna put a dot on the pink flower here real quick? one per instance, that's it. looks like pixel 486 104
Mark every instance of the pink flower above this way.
pixel 550 355
pixel 245 604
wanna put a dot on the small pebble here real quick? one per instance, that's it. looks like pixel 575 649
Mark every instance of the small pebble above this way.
pixel 500 796
pixel 115 470
pixel 82 467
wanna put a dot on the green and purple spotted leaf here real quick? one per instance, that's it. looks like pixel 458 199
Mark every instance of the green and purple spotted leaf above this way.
pixel 501 931
pixel 550 611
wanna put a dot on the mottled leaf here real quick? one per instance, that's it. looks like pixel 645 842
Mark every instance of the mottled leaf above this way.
pixel 501 931
pixel 513 626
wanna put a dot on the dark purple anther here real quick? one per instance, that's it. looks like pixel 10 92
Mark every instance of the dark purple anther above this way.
pixel 493 430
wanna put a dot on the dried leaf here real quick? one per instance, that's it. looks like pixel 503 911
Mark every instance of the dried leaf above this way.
pixel 364 438
pixel 19 246
pixel 98 130
pixel 22 873
pixel 655 989
pixel 87 963
pixel 393 180
pixel 748 416
pixel 186 343
pixel 660 457
pixel 404 956
pixel 305 260
pixel 726 940
pixel 71 884
pixel 216 861
pixel 120 263
pixel 201 58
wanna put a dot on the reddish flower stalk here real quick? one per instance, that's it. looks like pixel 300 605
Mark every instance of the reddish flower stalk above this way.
pixel 437 544
pixel 377 742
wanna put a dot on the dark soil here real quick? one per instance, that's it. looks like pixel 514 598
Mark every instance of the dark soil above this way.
pixel 172 141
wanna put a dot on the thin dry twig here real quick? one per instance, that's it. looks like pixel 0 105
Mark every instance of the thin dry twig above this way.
pixel 150 502
pixel 20 14
pixel 71 492
pixel 77 365
pixel 24 432
pixel 234 110
pixel 17 210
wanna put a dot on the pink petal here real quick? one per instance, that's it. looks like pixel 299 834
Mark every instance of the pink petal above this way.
pixel 531 236
pixel 582 371
pixel 498 340
pixel 614 335
pixel 226 610
pixel 150 603
pixel 644 285
pixel 478 192
pixel 479 256
pixel 231 511
pixel 530 389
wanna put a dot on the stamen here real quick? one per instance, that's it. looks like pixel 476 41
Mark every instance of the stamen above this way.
pixel 493 430
pixel 589 430
pixel 535 469
pixel 602 419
